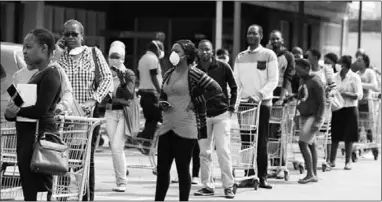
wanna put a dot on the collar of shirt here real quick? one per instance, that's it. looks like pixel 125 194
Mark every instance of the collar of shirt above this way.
pixel 76 51
pixel 213 65
pixel 256 50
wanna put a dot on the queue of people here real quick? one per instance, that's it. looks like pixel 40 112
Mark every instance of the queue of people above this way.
pixel 189 106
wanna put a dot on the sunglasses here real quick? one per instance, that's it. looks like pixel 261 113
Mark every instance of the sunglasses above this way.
pixel 73 34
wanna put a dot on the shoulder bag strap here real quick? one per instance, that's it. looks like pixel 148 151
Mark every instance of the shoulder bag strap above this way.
pixel 97 73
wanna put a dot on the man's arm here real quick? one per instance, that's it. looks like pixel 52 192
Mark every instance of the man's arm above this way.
pixel 233 86
pixel 106 79
pixel 288 75
pixel 273 76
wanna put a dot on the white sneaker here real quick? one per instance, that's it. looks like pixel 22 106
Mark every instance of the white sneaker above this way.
pixel 120 188
pixel 195 180
pixel 175 180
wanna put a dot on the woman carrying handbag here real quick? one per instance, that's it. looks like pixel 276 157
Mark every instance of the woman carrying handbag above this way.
pixel 119 114
pixel 38 50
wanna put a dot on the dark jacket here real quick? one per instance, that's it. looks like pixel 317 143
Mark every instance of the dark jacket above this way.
pixel 312 96
pixel 221 72
pixel 289 68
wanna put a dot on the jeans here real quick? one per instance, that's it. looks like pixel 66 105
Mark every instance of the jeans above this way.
pixel 171 146
pixel 151 112
pixel 115 126
pixel 218 131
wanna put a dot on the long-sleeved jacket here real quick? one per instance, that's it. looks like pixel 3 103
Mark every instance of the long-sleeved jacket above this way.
pixel 197 79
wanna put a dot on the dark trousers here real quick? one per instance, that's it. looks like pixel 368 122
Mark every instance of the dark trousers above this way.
pixel 195 161
pixel 91 181
pixel 151 112
pixel 262 149
pixel 31 182
pixel 170 147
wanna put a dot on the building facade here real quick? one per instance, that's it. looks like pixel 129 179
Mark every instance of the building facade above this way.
pixel 321 25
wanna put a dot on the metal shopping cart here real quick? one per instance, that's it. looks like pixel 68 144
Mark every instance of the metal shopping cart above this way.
pixel 243 144
pixel 77 133
pixel 9 176
pixel 277 146
pixel 369 129
pixel 322 141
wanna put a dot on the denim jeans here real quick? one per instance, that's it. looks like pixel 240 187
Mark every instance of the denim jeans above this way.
pixel 218 131
pixel 115 126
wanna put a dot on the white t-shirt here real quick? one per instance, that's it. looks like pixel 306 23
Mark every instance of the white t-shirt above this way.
pixel 148 61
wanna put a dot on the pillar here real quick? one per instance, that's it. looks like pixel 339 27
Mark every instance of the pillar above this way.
pixel 360 25
pixel 219 25
pixel 236 29
pixel 33 16
pixel 300 25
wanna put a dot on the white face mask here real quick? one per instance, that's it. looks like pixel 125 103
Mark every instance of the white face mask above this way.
pixel 174 58
pixel 76 51
pixel 161 54
pixel 116 63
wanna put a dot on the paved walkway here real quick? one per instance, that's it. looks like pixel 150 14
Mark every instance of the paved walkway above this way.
pixel 361 183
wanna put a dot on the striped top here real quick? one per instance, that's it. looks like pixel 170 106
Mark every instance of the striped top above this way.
pixel 198 83
pixel 257 73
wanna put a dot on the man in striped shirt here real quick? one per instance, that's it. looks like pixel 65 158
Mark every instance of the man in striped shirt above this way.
pixel 257 74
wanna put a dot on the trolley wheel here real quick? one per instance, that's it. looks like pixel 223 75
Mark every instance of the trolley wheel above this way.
pixel 354 157
pixel 127 172
pixel 234 188
pixel 233 172
pixel 375 153
pixel 155 172
pixel 295 166
pixel 286 175
pixel 255 184
pixel 324 167
pixel 301 169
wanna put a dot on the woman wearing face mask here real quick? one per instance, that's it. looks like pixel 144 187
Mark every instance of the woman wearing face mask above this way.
pixel 118 126
pixel 345 121
pixel 184 117
pixel 38 50
pixel 369 84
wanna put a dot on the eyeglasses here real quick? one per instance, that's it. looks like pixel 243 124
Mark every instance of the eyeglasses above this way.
pixel 73 34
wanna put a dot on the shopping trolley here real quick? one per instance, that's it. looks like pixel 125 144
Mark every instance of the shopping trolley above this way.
pixel 277 147
pixel 369 125
pixel 322 140
pixel 77 133
pixel 244 138
pixel 9 176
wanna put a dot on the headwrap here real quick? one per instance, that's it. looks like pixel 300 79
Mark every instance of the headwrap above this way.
pixel 117 47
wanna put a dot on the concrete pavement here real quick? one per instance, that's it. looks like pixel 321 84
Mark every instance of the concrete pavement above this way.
pixel 363 182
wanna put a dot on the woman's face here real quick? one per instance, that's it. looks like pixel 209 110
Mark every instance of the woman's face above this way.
pixel 34 53
pixel 179 50
pixel 72 36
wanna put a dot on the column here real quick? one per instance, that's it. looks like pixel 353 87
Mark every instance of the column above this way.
pixel 219 25
pixel 33 16
pixel 8 29
pixel 300 25
pixel 236 29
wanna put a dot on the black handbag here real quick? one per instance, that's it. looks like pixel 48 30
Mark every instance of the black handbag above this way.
pixel 50 154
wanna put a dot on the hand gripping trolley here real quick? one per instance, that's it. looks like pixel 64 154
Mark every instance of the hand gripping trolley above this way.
pixel 244 139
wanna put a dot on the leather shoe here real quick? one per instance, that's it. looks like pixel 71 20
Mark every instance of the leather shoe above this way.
pixel 264 184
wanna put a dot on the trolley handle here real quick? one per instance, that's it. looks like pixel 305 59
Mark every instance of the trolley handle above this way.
pixel 79 118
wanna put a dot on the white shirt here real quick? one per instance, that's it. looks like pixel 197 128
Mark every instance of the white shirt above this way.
pixel 351 83
pixel 149 61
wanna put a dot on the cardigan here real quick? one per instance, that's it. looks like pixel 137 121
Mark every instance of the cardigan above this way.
pixel 197 80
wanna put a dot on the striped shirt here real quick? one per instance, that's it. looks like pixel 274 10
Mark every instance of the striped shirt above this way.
pixel 257 73
pixel 198 82
pixel 81 73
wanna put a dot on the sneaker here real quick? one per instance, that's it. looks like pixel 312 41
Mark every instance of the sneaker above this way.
pixel 195 180
pixel 204 192
pixel 347 166
pixel 120 188
pixel 175 180
pixel 229 193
